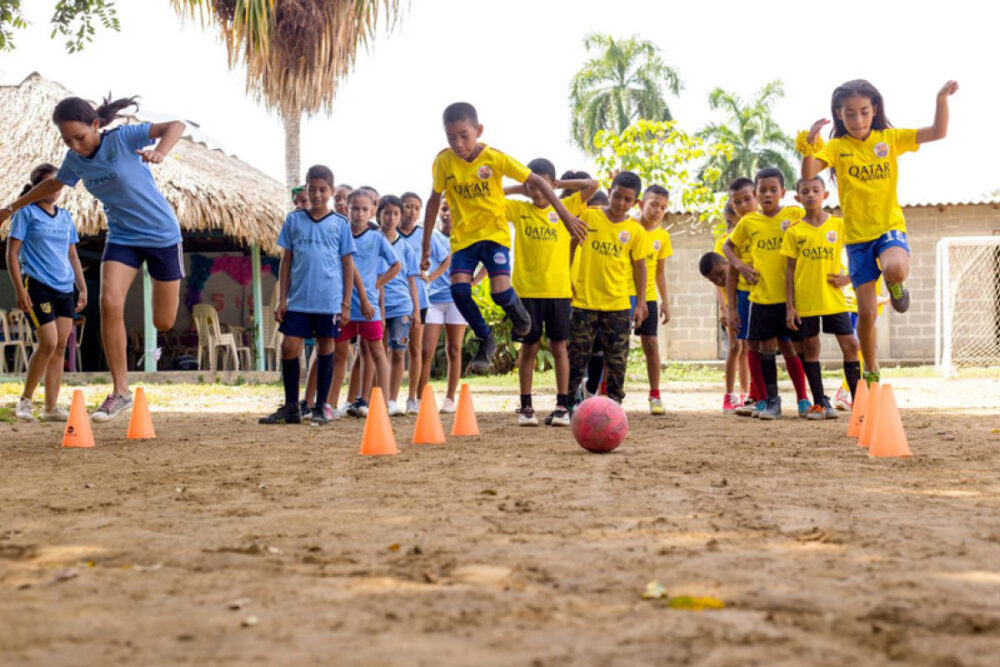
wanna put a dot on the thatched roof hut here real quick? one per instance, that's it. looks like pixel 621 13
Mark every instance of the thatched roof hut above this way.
pixel 209 190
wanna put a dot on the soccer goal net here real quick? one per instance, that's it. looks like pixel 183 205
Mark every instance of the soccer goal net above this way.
pixel 967 313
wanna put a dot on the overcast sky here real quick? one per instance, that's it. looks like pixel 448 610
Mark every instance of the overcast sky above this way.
pixel 514 61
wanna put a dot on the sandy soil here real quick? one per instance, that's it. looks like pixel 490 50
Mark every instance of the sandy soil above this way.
pixel 225 542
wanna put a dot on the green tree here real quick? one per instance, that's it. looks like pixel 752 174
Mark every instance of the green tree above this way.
pixel 756 138
pixel 626 80
pixel 73 19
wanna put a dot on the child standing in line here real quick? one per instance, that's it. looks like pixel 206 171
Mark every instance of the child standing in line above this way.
pixel 412 234
pixel 736 350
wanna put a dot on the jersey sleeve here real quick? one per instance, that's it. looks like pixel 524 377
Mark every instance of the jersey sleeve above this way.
pixel 904 141
pixel 440 172
pixel 73 236
pixel 739 235
pixel 789 248
pixel 667 248
pixel 511 168
pixel 135 137
pixel 511 208
pixel 411 263
pixel 575 204
pixel 828 153
pixel 347 246
pixel 439 248
pixel 719 244
pixel 641 245
pixel 386 252
pixel 67 174
pixel 285 236
pixel 19 225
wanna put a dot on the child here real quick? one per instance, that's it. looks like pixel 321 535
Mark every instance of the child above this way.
pixel 612 257
pixel 340 198
pixel 142 226
pixel 654 208
pixel 43 266
pixel 813 281
pixel 470 175
pixel 542 280
pixel 412 233
pixel 863 153
pixel 442 313
pixel 366 320
pixel 300 198
pixel 399 297
pixel 764 232
pixel 317 269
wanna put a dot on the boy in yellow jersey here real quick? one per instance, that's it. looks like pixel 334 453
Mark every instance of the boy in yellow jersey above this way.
pixel 541 279
pixel 764 231
pixel 470 175
pixel 814 278
pixel 654 208
pixel 612 256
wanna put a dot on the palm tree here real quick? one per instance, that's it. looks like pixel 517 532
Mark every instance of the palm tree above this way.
pixel 295 51
pixel 624 82
pixel 755 136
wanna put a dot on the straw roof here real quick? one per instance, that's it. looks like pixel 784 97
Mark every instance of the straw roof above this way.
pixel 208 189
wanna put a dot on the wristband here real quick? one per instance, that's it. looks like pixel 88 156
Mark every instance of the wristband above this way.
pixel 804 148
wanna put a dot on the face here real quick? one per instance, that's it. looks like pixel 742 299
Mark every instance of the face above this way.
pixel 445 217
pixel 732 217
pixel 811 194
pixel 82 138
pixel 340 199
pixel 462 137
pixel 654 207
pixel 319 192
pixel 411 211
pixel 389 218
pixel 857 114
pixel 53 198
pixel 360 210
pixel 536 196
pixel 622 201
pixel 718 274
pixel 769 194
pixel 744 201
pixel 301 199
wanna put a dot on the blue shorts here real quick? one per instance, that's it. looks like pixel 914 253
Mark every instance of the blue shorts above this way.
pixel 397 331
pixel 163 264
pixel 495 257
pixel 743 310
pixel 309 325
pixel 862 258
pixel 854 322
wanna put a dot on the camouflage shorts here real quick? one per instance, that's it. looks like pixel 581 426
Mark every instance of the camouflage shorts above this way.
pixel 607 331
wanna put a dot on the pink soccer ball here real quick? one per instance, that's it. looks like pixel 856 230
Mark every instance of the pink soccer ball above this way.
pixel 599 424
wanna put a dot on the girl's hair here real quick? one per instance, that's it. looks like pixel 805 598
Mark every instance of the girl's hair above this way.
pixel 411 195
pixel 80 110
pixel 386 201
pixel 857 88
pixel 39 174
pixel 361 193
pixel 320 172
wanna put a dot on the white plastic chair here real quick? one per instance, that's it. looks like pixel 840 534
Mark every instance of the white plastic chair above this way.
pixel 211 338
pixel 18 334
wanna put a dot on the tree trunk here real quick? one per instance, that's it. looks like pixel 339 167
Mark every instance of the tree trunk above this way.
pixel 291 120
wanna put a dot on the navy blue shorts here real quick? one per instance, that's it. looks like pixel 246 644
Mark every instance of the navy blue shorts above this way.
pixel 309 325
pixel 492 255
pixel 164 264
pixel 767 321
pixel 47 304
pixel 862 258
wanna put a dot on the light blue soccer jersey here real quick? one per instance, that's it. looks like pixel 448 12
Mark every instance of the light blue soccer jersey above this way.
pixel 138 215
pixel 398 301
pixel 371 246
pixel 414 239
pixel 318 248
pixel 439 291
pixel 45 241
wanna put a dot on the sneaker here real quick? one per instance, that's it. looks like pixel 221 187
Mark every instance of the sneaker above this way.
pixel 316 417
pixel 358 408
pixel 56 414
pixel 804 405
pixel 412 405
pixel 329 413
pixel 816 412
pixel 520 320
pixel 304 409
pixel 746 408
pixel 23 410
pixel 743 398
pixel 772 409
pixel 526 416
pixel 342 410
pixel 395 410
pixel 828 411
pixel 656 407
pixel 758 408
pixel 842 401
pixel 483 359
pixel 899 297
pixel 729 404
pixel 113 405
pixel 447 406
pixel 558 417
pixel 871 377
pixel 286 414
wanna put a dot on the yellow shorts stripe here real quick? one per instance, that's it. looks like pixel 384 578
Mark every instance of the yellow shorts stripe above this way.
pixel 31 311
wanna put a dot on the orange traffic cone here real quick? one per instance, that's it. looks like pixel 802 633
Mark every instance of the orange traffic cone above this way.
pixel 889 439
pixel 78 433
pixel 140 424
pixel 871 415
pixel 378 438
pixel 465 417
pixel 858 409
pixel 429 430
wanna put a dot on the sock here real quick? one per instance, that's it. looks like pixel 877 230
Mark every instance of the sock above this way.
pixel 505 299
pixel 654 393
pixel 324 377
pixel 290 377
pixel 595 369
pixel 815 376
pixel 798 376
pixel 462 294
pixel 752 391
pixel 525 400
pixel 852 373
pixel 769 374
pixel 562 401
pixel 757 387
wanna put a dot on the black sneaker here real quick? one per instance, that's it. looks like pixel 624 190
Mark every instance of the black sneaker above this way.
pixel 305 410
pixel 520 319
pixel 484 355
pixel 316 417
pixel 899 297
pixel 359 408
pixel 558 417
pixel 286 414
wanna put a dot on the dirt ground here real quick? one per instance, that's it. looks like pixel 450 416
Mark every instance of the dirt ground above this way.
pixel 226 542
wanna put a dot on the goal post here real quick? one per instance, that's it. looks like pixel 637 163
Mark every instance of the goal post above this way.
pixel 967 303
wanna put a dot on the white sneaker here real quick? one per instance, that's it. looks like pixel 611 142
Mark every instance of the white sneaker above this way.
pixel 329 412
pixel 342 410
pixel 447 406
pixel 412 405
pixel 526 417
pixel 23 410
pixel 56 414
pixel 395 410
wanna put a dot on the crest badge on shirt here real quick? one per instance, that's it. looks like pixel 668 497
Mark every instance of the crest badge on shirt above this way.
pixel 485 172
pixel 623 237
pixel 831 236
pixel 881 149
pixel 785 224
pixel 553 217
pixel 657 245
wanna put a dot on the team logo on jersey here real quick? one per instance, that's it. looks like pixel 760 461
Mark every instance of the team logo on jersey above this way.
pixel 657 245
pixel 499 258
pixel 485 172
pixel 553 217
pixel 46 308
pixel 881 149
pixel 785 224
pixel 831 236
pixel 623 237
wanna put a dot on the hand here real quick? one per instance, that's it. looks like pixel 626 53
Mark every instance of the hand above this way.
pixel 948 89
pixel 366 309
pixel 154 156
pixel 279 312
pixel 816 127
pixel 425 262
pixel 724 318
pixel 415 319
pixel 81 301
pixel 577 229
pixel 748 273
pixel 345 314
pixel 734 318
pixel 6 212
pixel 792 318
pixel 23 300
pixel 640 314
pixel 838 280
pixel 664 313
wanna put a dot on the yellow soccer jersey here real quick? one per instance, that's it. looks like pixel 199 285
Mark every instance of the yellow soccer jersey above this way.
pixel 606 257
pixel 659 246
pixel 474 191
pixel 817 252
pixel 866 181
pixel 541 249
pixel 742 251
pixel 763 234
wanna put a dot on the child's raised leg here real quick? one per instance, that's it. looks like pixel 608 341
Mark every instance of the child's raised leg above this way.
pixel 895 263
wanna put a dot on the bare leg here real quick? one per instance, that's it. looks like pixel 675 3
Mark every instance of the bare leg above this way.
pixel 375 359
pixel 867 315
pixel 166 298
pixel 341 353
pixel 526 366
pixel 560 359
pixel 354 384
pixel 652 352
pixel 454 335
pixel 895 263
pixel 743 366
pixel 48 335
pixel 397 361
pixel 415 348
pixel 116 278
pixel 432 333
pixel 310 397
pixel 53 374
pixel 733 350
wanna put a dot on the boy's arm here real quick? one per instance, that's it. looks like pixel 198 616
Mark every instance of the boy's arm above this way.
pixel 791 314
pixel 347 266
pixel 720 296
pixel 586 187
pixel 940 127
pixel 732 278
pixel 661 286
pixel 284 280
pixel 639 273
pixel 735 264
pixel 430 217
pixel 46 188
pixel 514 190
pixel 576 228
pixel 78 279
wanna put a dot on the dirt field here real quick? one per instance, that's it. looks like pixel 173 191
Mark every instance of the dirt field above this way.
pixel 225 542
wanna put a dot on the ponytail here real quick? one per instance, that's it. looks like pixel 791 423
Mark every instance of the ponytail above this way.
pixel 39 174
pixel 80 110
